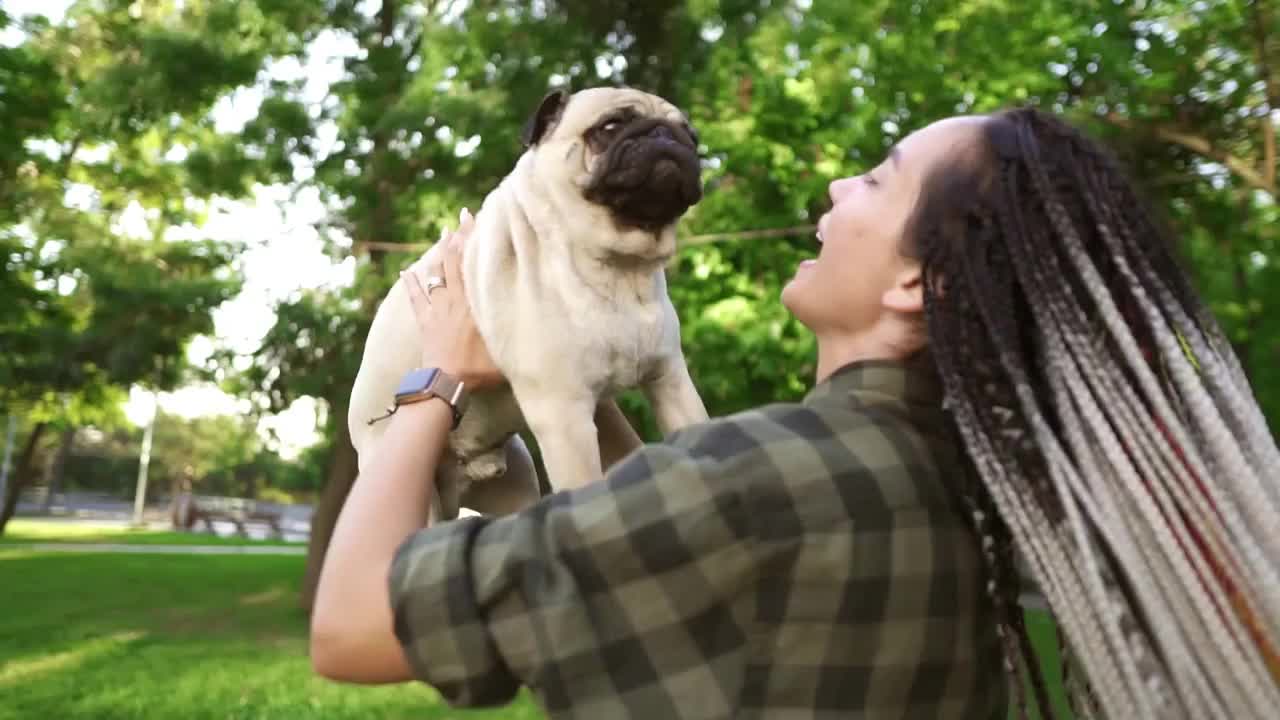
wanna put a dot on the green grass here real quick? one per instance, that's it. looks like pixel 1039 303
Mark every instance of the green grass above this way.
pixel 26 530
pixel 1043 632
pixel 143 637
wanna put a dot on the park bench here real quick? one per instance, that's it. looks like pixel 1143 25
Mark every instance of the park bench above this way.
pixel 237 511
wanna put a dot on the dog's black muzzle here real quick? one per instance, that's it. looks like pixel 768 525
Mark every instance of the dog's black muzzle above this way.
pixel 650 174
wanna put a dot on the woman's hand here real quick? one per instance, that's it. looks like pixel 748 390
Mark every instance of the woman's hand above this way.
pixel 450 338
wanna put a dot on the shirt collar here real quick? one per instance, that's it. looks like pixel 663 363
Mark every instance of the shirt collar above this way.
pixel 914 380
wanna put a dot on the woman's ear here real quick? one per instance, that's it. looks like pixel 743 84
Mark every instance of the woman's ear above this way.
pixel 906 294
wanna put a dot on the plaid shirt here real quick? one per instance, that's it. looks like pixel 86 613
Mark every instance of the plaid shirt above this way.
pixel 793 561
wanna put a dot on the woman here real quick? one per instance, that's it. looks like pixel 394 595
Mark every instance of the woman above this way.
pixel 1009 361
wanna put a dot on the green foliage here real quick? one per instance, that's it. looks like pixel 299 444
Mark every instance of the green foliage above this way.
pixel 425 115
pixel 786 100
pixel 218 454
pixel 95 108
pixel 98 292
pixel 316 337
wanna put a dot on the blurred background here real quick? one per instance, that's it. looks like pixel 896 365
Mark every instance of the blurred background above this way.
pixel 202 201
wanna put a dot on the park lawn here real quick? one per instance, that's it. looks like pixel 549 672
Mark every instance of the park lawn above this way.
pixel 98 636
pixel 28 530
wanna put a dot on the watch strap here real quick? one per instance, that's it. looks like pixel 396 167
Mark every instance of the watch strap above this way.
pixel 427 383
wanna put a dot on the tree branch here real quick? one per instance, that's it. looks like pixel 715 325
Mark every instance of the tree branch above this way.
pixel 1205 148
pixel 749 235
pixel 69 155
pixel 1269 149
pixel 1272 89
pixel 370 245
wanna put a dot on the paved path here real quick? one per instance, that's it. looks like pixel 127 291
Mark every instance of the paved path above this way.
pixel 161 549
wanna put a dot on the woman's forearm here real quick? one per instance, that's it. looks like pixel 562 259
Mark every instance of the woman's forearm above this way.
pixel 352 639
pixel 351 623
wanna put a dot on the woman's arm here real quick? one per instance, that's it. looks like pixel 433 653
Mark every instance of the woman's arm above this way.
pixel 388 503
pixel 351 621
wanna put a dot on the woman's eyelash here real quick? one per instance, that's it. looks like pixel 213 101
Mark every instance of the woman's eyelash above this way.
pixel 870 180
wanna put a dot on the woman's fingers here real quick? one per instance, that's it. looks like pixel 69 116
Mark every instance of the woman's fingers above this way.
pixel 417 295
pixel 451 268
pixel 453 250
pixel 443 260
pixel 465 223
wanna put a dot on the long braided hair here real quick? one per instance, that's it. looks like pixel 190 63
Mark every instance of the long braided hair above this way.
pixel 1115 448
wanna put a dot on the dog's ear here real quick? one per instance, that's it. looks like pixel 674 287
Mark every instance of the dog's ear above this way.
pixel 545 119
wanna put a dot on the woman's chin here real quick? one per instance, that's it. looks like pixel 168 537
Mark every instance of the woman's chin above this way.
pixel 793 299
pixel 791 291
pixel 802 271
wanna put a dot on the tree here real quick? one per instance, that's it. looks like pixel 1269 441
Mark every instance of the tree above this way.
pixel 785 100
pixel 1193 90
pixel 101 290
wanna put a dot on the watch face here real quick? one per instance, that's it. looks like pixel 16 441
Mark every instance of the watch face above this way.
pixel 417 381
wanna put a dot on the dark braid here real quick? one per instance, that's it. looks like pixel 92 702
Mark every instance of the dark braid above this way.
pixel 961 325
pixel 1085 378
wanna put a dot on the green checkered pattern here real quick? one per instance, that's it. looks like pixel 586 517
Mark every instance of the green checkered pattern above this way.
pixel 793 561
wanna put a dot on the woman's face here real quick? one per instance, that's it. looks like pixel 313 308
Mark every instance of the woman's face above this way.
pixel 860 283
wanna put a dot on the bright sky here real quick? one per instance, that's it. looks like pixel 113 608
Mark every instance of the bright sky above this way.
pixel 285 256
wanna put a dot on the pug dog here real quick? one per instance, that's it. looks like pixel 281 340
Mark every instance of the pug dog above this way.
pixel 564 273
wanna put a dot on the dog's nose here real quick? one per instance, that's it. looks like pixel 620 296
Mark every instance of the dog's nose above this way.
pixel 661 132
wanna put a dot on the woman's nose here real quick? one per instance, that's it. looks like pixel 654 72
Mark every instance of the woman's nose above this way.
pixel 839 188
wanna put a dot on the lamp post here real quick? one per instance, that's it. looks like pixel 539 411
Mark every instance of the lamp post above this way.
pixel 144 410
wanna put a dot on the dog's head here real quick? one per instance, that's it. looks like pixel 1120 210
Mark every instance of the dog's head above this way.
pixel 629 152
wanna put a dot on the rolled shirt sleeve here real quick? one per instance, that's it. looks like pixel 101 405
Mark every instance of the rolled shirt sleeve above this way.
pixel 586 587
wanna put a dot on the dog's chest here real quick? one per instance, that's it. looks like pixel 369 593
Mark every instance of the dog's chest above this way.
pixel 630 342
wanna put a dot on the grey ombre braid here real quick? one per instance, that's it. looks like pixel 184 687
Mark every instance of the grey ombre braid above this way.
pixel 1114 442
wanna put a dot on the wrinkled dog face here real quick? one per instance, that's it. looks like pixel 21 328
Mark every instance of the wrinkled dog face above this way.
pixel 630 153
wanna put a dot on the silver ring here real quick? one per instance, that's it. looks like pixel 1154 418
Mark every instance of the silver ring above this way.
pixel 433 282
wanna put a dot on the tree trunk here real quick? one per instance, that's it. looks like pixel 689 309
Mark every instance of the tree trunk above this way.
pixel 21 475
pixel 339 478
pixel 249 481
pixel 53 473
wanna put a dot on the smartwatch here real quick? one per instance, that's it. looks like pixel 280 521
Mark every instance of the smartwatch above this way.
pixel 426 383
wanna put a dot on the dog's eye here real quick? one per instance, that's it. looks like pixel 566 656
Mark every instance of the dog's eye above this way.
pixel 611 126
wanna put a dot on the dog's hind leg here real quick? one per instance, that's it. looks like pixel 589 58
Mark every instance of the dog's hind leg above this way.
pixel 515 489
